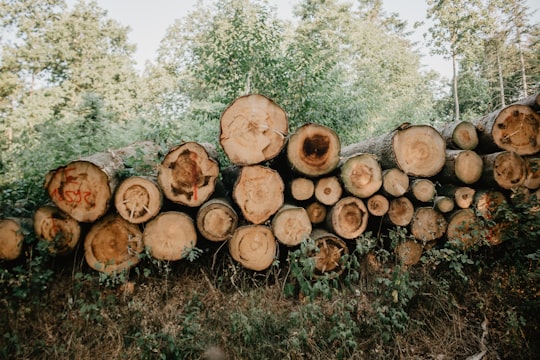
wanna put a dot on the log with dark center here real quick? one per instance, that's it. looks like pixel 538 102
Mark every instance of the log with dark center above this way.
pixel 61 231
pixel 348 218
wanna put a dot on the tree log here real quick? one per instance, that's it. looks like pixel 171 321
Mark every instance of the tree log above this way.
pixel 409 252
pixel 253 129
pixel 487 202
pixel 217 220
pixel 12 233
pixel 138 199
pixel 378 205
pixel 188 174
pixel 291 225
pixel 505 169
pixel 401 211
pixel 532 181
pixel 395 182
pixel 170 236
pixel 361 175
pixel 428 224
pixel 444 204
pixel 113 245
pixel 348 218
pixel 253 246
pixel 460 135
pixel 465 166
pixel 464 228
pixel 423 190
pixel 532 101
pixel 316 212
pixel 463 195
pixel 330 249
pixel 328 190
pixel 61 231
pixel 313 150
pixel 301 188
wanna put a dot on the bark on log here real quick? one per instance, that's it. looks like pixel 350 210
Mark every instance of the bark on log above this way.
pixel 532 181
pixel 401 211
pixel 12 233
pixel 361 175
pixel 463 195
pixel 170 236
pixel 328 190
pixel 138 199
pixel 253 129
pixel 253 246
pixel 418 150
pixel 313 150
pixel 258 192
pixel 464 228
pixel 395 182
pixel 514 128
pixel 428 224
pixel 378 205
pixel 444 204
pixel 409 252
pixel 188 174
pixel 291 225
pixel 532 101
pixel 423 190
pixel 460 135
pixel 316 212
pixel 301 188
pixel 61 231
pixel 348 218
pixel 465 166
pixel 505 169
pixel 217 220
pixel 113 245
pixel 328 257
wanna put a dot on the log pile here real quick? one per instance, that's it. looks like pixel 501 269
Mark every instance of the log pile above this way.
pixel 281 189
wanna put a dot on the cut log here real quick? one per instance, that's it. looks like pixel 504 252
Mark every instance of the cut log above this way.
pixel 428 224
pixel 361 175
pixel 463 195
pixel 291 225
pixel 258 192
pixel 253 246
pixel 328 190
pixel 464 228
pixel 532 101
pixel 253 129
pixel 423 190
pixel 113 245
pixel 505 169
pixel 301 188
pixel 316 212
pixel 328 257
pixel 217 220
pixel 378 205
pixel 513 128
pixel 409 252
pixel 61 231
pixel 460 135
pixel 12 233
pixel 395 182
pixel 170 236
pixel 401 211
pixel 532 181
pixel 313 150
pixel 138 199
pixel 444 204
pixel 418 150
pixel 188 174
pixel 348 218
pixel 463 166
pixel 487 202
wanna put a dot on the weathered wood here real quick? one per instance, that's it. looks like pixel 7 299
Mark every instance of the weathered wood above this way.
pixel 138 199
pixel 423 190
pixel 253 129
pixel 348 218
pixel 258 192
pixel 395 182
pixel 464 228
pixel 460 135
pixel 409 252
pixel 313 150
pixel 361 175
pixel 462 166
pixel 301 188
pixel 253 246
pixel 328 190
pixel 291 225
pixel 316 212
pixel 328 257
pixel 428 224
pixel 505 169
pixel 170 236
pixel 61 231
pixel 188 174
pixel 444 204
pixel 401 211
pixel 216 219
pixel 532 181
pixel 113 245
pixel 12 234
pixel 378 205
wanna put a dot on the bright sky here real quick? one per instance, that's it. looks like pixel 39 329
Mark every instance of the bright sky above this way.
pixel 149 20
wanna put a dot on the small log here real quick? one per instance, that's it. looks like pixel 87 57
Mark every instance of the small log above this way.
pixel 170 236
pixel 487 202
pixel 113 245
pixel 460 135
pixel 423 190
pixel 463 195
pixel 12 233
pixel 138 199
pixel 428 224
pixel 328 190
pixel 513 128
pixel 361 175
pixel 258 192
pixel 418 150
pixel 444 204
pixel 216 219
pixel 253 129
pixel 316 212
pixel 409 252
pixel 532 181
pixel 313 150
pixel 61 231
pixel 188 174
pixel 291 225
pixel 301 188
pixel 253 246
pixel 505 169
pixel 395 182
pixel 465 166
pixel 401 211
pixel 378 205
pixel 348 218
pixel 328 257
pixel 464 228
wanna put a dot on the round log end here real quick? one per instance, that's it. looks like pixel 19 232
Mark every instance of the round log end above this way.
pixel 253 246
pixel 291 225
pixel 378 205
pixel 409 252
pixel 316 212
pixel 11 239
pixel 464 228
pixel 217 220
pixel 348 217
pixel 328 190
pixel 468 167
pixel 428 224
pixel 395 182
pixel 328 257
pixel 516 129
pixel 170 236
pixel 362 175
pixel 401 211
pixel 61 231
pixel 138 199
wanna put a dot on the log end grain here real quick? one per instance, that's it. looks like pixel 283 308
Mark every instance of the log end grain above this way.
pixel 464 228
pixel 378 205
pixel 532 181
pixel 253 246
pixel 291 225
pixel 395 182
pixel 217 220
pixel 328 190
pixel 468 167
pixel 401 211
pixel 516 128
pixel 428 224
pixel 61 231
pixel 361 175
pixel 409 252
pixel 329 253
pixel 348 218
pixel 301 188
pixel 170 236
pixel 316 212
pixel 138 199
pixel 11 239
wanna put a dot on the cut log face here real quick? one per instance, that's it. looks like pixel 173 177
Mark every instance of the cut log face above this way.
pixel 505 169
pixel 395 182
pixel 253 246
pixel 291 225
pixel 170 236
pixel 464 165
pixel 113 245
pixel 316 212
pixel 61 231
pixel 328 190
pixel 487 202
pixel 217 220
pixel 258 192
pixel 138 199
pixel 428 224
pixel 423 190
pixel 361 175
pixel 464 228
pixel 11 239
pixel 348 217
pixel 532 180
pixel 313 150
pixel 187 175
pixel 378 205
pixel 401 211
pixel 409 252
pixel 444 204
pixel 302 188
pixel 253 130
pixel 328 258
pixel 463 195
pixel 460 135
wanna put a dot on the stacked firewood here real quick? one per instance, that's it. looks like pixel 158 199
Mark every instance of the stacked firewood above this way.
pixel 281 189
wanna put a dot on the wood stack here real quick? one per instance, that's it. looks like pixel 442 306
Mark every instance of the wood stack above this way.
pixel 282 189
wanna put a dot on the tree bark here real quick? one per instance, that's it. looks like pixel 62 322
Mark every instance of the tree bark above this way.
pixel 328 190
pixel 460 135
pixel 217 220
pixel 401 211
pixel 330 250
pixel 253 246
pixel 465 166
pixel 348 217
pixel 505 169
pixel 395 182
pixel 61 231
pixel 301 188
pixel 12 233
pixel 361 175
pixel 291 225
pixel 532 101
pixel 428 224
pixel 138 199
pixel 378 205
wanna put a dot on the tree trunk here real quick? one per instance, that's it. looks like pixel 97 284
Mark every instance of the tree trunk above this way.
pixel 401 211
pixel 423 190
pixel 409 252
pixel 465 166
pixel 532 101
pixel 361 175
pixel 291 225
pixel 464 228
pixel 463 195
pixel 418 150
pixel 253 129
pixel 301 188
pixel 12 233
pixel 113 245
pixel 330 250
pixel 328 190
pixel 253 246
pixel 316 212
pixel 313 150
pixel 460 135
pixel 505 169
pixel 444 204
pixel 217 220
pixel 138 199
pixel 428 224
pixel 258 192
pixel 188 174
pixel 348 217
pixel 61 231
pixel 378 205
pixel 395 182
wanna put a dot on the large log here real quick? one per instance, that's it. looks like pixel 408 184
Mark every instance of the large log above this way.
pixel 216 219
pixel 253 129
pixel 418 150
pixel 188 174
pixel 328 190
pixel 462 166
pixel 409 252
pixel 253 246
pixel 460 135
pixel 428 224
pixel 138 199
pixel 505 169
pixel 395 182
pixel 464 228
pixel 60 230
pixel 348 218
pixel 12 233
pixel 329 253
pixel 291 225
pixel 361 175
